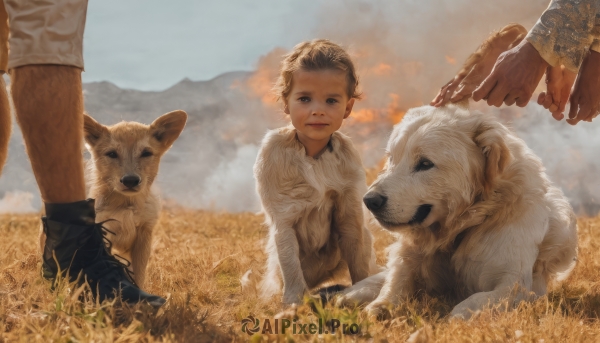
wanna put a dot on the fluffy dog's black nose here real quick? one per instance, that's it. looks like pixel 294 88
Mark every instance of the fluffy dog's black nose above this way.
pixel 130 181
pixel 374 201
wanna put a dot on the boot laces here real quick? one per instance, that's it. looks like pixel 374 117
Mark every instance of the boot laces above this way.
pixel 114 259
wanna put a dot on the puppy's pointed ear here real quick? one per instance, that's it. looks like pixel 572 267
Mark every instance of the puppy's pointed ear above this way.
pixel 167 127
pixel 490 138
pixel 92 130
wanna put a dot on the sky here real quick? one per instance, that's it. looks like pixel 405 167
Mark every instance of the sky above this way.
pixel 152 44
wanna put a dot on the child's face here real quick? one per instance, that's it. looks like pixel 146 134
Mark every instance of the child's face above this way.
pixel 317 104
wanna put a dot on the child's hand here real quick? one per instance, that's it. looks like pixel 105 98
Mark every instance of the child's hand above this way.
pixel 559 81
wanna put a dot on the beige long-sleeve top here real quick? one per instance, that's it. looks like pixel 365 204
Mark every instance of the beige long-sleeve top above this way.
pixel 566 30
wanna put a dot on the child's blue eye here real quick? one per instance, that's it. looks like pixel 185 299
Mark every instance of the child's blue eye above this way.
pixel 331 101
pixel 304 99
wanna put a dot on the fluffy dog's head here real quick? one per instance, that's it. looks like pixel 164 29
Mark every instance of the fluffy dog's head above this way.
pixel 439 162
pixel 126 155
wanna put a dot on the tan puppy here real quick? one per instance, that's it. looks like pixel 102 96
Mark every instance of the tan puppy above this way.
pixel 474 212
pixel 315 215
pixel 124 164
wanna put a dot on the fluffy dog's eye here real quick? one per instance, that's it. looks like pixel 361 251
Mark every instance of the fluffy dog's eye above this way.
pixel 112 154
pixel 424 164
pixel 147 153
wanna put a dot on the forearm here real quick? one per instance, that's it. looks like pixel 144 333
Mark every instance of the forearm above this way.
pixel 349 223
pixel 353 251
pixel 564 32
pixel 288 253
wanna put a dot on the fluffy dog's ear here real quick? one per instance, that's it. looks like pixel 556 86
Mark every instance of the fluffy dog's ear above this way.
pixel 92 130
pixel 497 155
pixel 167 127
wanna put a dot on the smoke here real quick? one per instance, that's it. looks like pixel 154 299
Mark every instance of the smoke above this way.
pixel 568 153
pixel 227 187
pixel 17 202
pixel 404 51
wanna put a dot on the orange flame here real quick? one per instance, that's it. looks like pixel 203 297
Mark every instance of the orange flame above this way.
pixel 382 69
pixel 263 79
pixel 450 60
pixel 364 115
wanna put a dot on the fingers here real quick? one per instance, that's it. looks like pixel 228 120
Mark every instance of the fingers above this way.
pixel 548 100
pixel 574 107
pixel 440 94
pixel 523 100
pixel 458 94
pixel 510 99
pixel 558 116
pixel 464 90
pixel 483 91
pixel 541 98
pixel 569 80
pixel 585 112
pixel 564 98
pixel 579 111
pixel 496 96
pixel 445 93
pixel 592 113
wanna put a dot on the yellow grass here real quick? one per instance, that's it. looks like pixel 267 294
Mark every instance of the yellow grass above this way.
pixel 197 263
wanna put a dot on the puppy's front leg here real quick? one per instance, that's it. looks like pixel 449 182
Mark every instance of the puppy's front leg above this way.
pixel 140 253
pixel 288 252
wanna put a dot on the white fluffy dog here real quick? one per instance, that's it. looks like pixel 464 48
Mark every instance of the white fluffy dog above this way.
pixel 476 216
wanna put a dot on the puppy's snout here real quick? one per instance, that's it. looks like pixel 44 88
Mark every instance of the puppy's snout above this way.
pixel 130 181
pixel 374 201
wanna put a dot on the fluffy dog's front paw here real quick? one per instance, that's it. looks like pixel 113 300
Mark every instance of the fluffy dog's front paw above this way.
pixel 292 298
pixel 379 310
pixel 461 313
pixel 344 301
pixel 289 312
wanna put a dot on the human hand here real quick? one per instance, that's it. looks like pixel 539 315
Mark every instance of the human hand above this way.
pixel 515 76
pixel 585 98
pixel 479 65
pixel 559 81
pixel 446 91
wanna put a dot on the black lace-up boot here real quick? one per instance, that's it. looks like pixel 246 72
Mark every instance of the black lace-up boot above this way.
pixel 77 243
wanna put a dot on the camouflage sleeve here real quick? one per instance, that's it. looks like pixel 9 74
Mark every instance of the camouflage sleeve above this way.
pixel 565 31
pixel 595 45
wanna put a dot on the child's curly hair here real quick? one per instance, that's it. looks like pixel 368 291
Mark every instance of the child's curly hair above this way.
pixel 317 54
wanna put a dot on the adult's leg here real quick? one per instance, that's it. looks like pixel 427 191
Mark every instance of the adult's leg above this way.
pixel 5 124
pixel 47 94
pixel 48 103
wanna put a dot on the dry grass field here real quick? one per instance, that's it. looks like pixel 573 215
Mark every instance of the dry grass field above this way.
pixel 198 260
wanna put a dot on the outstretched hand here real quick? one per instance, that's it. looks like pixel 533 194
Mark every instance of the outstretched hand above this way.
pixel 447 91
pixel 514 78
pixel 585 99
pixel 479 65
pixel 559 81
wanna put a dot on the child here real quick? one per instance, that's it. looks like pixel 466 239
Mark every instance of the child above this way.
pixel 310 178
